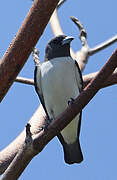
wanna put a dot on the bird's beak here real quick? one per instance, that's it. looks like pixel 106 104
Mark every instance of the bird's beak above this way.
pixel 67 40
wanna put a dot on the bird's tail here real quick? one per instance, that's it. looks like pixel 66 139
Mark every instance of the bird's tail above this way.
pixel 73 153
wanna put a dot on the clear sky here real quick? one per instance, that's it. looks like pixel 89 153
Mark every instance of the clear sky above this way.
pixel 99 121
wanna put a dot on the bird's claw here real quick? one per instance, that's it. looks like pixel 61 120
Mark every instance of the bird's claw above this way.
pixel 45 126
pixel 70 101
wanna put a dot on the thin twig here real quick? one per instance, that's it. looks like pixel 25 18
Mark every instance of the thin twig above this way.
pixel 83 33
pixel 102 45
pixel 81 55
pixel 37 63
pixel 83 38
pixel 23 80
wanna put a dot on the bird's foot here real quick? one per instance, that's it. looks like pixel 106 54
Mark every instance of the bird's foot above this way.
pixel 70 101
pixel 45 126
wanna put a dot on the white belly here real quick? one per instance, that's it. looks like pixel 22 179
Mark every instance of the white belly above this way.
pixel 59 84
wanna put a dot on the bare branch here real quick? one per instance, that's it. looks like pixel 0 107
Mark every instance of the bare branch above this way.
pixel 22 159
pixel 82 55
pixel 55 25
pixel 8 154
pixel 37 63
pixel 102 45
pixel 83 38
pixel 25 80
pixel 22 45
pixel 83 34
pixel 112 80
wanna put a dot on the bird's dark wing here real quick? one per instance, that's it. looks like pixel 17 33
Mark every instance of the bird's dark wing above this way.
pixel 78 76
pixel 37 84
pixel 80 86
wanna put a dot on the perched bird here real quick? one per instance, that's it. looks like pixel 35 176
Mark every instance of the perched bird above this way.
pixel 58 81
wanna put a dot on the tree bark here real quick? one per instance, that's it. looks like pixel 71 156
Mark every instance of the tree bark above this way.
pixel 22 45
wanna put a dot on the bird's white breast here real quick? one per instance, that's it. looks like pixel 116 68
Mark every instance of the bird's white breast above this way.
pixel 59 84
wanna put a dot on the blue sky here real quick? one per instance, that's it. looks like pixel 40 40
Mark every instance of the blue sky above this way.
pixel 99 121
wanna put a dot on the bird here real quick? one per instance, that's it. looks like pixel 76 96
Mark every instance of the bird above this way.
pixel 58 81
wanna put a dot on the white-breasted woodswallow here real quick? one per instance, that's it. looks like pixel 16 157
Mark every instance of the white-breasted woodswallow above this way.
pixel 58 81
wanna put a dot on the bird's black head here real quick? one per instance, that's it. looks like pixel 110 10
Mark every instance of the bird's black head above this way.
pixel 58 47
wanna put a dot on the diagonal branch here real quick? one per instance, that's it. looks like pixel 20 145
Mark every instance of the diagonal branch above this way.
pixel 41 139
pixel 22 45
pixel 55 24
pixel 54 21
pixel 112 80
